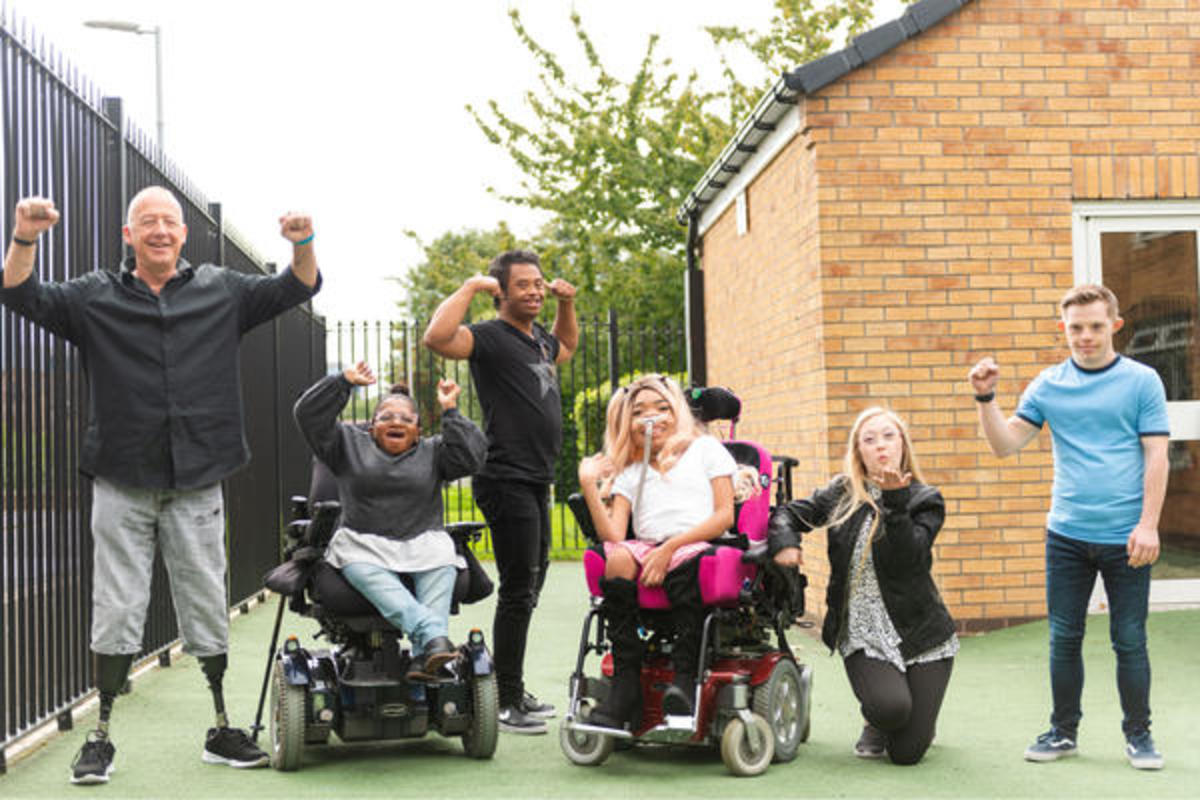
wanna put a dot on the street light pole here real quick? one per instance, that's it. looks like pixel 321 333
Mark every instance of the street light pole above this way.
pixel 135 28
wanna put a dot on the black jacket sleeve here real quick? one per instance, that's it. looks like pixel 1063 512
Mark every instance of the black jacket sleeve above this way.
pixel 789 522
pixel 317 413
pixel 462 447
pixel 912 518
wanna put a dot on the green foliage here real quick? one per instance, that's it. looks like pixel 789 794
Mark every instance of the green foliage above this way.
pixel 448 261
pixel 612 159
pixel 591 405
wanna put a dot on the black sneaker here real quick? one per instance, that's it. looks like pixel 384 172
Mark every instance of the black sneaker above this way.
pixel 431 665
pixel 871 744
pixel 532 707
pixel 93 763
pixel 514 720
pixel 233 747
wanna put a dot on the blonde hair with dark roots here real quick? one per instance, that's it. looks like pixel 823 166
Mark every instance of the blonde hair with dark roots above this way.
pixel 618 432
pixel 854 470
pixel 1088 293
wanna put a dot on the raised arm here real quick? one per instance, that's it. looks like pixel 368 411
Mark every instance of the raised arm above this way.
pixel 1004 436
pixel 34 216
pixel 462 448
pixel 445 334
pixel 318 408
pixel 566 327
pixel 298 229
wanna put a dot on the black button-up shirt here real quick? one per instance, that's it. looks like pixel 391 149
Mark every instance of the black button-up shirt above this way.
pixel 163 370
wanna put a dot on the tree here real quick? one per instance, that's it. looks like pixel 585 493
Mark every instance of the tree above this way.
pixel 449 260
pixel 612 160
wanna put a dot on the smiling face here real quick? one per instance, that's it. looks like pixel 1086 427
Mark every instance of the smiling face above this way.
pixel 155 230
pixel 525 292
pixel 395 426
pixel 1089 329
pixel 880 445
pixel 647 404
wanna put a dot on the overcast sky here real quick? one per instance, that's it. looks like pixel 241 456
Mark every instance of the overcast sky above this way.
pixel 354 111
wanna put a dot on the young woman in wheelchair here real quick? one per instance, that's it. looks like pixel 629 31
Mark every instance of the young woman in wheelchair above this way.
pixel 389 482
pixel 885 615
pixel 674 484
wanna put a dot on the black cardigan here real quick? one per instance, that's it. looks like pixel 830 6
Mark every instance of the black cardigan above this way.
pixel 902 553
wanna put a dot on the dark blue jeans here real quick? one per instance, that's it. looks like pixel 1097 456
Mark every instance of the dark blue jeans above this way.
pixel 1071 569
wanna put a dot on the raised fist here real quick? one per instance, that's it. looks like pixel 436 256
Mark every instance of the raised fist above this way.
pixel 34 216
pixel 295 227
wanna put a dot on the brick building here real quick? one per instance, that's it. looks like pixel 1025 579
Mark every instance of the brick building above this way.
pixel 894 211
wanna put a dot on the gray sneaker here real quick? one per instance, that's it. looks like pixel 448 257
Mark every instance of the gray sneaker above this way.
pixel 1051 746
pixel 513 720
pixel 536 708
pixel 871 744
pixel 1140 751
pixel 93 763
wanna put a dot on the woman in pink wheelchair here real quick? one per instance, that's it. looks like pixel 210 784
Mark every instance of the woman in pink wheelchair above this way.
pixel 674 484
pixel 885 615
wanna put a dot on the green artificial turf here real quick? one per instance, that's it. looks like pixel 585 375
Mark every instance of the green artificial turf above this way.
pixel 998 700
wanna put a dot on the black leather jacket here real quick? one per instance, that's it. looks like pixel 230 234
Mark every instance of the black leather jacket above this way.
pixel 902 553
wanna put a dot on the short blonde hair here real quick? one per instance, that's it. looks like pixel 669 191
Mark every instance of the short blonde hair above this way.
pixel 1087 294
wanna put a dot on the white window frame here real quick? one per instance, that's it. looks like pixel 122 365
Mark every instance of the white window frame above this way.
pixel 1090 220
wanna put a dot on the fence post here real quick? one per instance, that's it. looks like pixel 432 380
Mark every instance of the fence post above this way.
pixel 614 348
pixel 116 180
pixel 214 211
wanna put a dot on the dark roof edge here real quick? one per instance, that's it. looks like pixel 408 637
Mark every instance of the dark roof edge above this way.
pixel 819 73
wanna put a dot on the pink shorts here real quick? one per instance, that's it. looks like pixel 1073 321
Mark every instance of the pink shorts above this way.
pixel 640 551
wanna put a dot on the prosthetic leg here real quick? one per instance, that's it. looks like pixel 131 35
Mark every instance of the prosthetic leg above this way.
pixel 226 745
pixel 93 763
pixel 625 698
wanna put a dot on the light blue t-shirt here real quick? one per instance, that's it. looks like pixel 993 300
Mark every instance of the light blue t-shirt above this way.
pixel 1097 419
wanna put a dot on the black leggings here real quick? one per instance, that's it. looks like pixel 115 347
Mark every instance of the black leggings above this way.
pixel 904 705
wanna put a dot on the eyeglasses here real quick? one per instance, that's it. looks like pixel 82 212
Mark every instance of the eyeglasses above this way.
pixel 399 416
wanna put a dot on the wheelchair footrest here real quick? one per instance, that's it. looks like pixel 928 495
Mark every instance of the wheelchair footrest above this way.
pixel 616 733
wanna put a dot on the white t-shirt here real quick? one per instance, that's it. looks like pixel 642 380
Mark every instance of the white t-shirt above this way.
pixel 680 500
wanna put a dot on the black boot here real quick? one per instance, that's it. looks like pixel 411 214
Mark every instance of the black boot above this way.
pixel 687 612
pixel 625 695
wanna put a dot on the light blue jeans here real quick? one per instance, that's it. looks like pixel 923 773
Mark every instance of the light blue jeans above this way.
pixel 424 617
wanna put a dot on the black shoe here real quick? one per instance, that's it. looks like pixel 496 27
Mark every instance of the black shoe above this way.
pixel 513 720
pixel 429 666
pixel 93 763
pixel 871 744
pixel 532 707
pixel 231 746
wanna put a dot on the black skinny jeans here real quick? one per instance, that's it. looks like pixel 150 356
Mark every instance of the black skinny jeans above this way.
pixel 518 515
pixel 904 705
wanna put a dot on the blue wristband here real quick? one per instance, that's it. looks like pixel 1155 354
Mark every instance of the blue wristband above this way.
pixel 305 240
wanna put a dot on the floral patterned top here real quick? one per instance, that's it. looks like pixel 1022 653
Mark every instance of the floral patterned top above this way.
pixel 868 626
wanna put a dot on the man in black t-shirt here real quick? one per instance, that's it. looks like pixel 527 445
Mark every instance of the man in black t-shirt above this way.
pixel 513 362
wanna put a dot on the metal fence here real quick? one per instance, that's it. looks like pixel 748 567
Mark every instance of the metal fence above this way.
pixel 61 139
pixel 607 354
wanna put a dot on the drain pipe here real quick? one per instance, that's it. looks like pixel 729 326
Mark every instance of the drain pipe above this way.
pixel 693 292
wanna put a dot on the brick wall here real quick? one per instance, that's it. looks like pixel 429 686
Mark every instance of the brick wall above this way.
pixel 926 208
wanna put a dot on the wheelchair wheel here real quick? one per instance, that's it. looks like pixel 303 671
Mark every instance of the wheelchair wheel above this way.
pixel 806 679
pixel 583 748
pixel 741 756
pixel 287 722
pixel 782 702
pixel 479 741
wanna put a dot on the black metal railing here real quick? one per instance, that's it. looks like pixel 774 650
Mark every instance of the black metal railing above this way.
pixel 608 353
pixel 60 138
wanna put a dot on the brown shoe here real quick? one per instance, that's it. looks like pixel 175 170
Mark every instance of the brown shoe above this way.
pixel 430 665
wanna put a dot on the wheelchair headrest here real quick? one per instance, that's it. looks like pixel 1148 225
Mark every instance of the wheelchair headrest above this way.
pixel 709 403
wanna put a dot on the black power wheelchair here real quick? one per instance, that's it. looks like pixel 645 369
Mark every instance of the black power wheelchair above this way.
pixel 357 688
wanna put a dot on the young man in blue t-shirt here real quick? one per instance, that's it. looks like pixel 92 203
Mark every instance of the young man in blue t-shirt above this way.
pixel 1108 420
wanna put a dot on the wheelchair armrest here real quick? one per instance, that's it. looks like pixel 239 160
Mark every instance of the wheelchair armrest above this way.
pixel 468 531
pixel 579 508
pixel 756 554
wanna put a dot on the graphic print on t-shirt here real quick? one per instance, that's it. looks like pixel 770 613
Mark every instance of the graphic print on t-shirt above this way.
pixel 546 376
